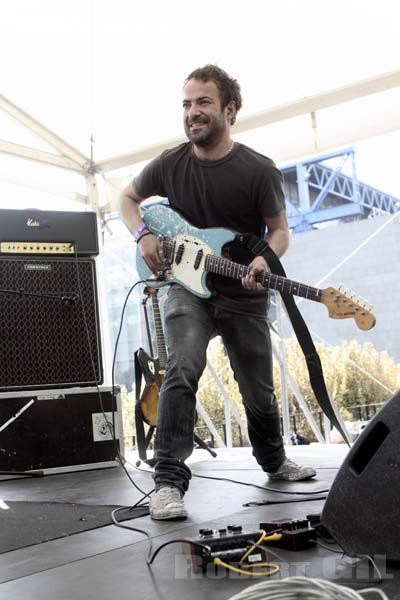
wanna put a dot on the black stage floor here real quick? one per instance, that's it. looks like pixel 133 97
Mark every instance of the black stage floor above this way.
pixel 110 562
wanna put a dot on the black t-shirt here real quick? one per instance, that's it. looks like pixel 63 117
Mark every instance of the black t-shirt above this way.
pixel 235 193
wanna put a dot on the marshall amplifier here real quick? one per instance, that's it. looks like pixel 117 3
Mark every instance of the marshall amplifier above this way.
pixel 60 430
pixel 48 232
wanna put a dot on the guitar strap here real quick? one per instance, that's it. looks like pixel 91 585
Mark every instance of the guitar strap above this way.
pixel 260 247
pixel 140 432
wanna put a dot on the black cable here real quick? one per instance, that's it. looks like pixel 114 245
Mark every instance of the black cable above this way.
pixel 150 557
pixel 122 460
pixel 110 425
pixel 329 549
pixel 359 557
pixel 261 487
pixel 82 304
pixel 262 502
pixel 269 502
pixel 176 541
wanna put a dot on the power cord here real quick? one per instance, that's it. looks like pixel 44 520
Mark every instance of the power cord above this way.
pixel 121 458
pixel 152 555
pixel 355 560
pixel 315 495
pixel 111 426
pixel 261 487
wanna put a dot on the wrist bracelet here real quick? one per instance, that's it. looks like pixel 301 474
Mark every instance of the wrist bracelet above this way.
pixel 142 236
pixel 142 228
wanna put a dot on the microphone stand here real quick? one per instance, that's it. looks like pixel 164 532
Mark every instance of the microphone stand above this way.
pixel 66 299
pixel 3 427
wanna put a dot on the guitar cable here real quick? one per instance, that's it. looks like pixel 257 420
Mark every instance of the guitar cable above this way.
pixel 110 425
pixel 121 458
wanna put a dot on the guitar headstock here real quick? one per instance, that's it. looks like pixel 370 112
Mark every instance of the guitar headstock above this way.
pixel 342 304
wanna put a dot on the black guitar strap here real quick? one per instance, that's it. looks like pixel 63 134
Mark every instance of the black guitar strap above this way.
pixel 140 432
pixel 260 247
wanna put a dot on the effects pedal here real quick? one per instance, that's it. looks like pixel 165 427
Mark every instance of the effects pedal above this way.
pixel 228 544
pixel 296 534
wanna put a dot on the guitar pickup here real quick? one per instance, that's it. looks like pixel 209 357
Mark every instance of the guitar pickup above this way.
pixel 179 253
pixel 197 261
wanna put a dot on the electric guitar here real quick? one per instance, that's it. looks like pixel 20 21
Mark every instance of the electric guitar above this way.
pixel 153 369
pixel 191 253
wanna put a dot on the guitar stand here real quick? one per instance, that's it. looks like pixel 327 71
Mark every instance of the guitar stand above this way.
pixel 203 445
pixel 143 439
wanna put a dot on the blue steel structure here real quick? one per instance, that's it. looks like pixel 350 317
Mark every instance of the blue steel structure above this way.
pixel 317 192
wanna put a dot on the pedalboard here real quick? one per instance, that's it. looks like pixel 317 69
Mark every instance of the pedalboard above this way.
pixel 229 544
pixel 296 534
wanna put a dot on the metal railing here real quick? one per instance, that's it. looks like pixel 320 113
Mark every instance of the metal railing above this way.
pixel 362 412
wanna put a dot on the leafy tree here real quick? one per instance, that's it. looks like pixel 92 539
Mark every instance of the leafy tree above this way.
pixel 355 375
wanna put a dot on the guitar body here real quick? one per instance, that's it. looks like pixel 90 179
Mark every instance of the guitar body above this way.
pixel 164 221
pixel 153 380
pixel 190 253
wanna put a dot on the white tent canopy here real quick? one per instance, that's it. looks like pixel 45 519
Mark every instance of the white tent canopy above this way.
pixel 96 84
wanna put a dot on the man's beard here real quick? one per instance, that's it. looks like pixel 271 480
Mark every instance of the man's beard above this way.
pixel 209 135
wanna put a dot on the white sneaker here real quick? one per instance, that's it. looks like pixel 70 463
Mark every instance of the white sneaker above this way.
pixel 289 471
pixel 167 503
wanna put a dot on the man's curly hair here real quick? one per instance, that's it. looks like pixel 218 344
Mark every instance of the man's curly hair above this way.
pixel 229 88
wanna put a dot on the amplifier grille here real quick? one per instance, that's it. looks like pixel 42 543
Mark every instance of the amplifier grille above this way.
pixel 48 341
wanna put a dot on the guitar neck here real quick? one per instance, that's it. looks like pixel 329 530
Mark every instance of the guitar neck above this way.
pixel 161 347
pixel 227 268
pixel 189 256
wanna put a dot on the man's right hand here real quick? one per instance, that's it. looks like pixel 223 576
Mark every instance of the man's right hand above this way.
pixel 151 251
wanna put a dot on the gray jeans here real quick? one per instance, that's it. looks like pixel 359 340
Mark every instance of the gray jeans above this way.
pixel 190 323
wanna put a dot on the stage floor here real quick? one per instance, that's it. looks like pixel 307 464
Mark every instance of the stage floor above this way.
pixel 109 563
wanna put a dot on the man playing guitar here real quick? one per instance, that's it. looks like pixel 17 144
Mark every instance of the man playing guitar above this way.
pixel 213 181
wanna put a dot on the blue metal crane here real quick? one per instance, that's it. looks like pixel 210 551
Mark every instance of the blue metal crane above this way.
pixel 317 192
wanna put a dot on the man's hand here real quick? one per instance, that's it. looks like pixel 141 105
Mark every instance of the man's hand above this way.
pixel 258 265
pixel 151 251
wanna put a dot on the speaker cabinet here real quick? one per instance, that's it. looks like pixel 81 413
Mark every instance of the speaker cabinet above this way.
pixel 362 508
pixel 60 430
pixel 49 325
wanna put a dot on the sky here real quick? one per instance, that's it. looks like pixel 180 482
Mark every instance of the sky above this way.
pixel 112 71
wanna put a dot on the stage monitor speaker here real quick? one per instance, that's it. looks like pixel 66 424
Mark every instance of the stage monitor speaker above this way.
pixel 49 323
pixel 362 509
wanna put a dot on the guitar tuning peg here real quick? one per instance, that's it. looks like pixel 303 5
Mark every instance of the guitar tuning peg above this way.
pixel 363 302
pixel 346 292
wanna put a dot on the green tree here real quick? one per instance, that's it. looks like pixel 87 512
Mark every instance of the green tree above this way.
pixel 355 375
